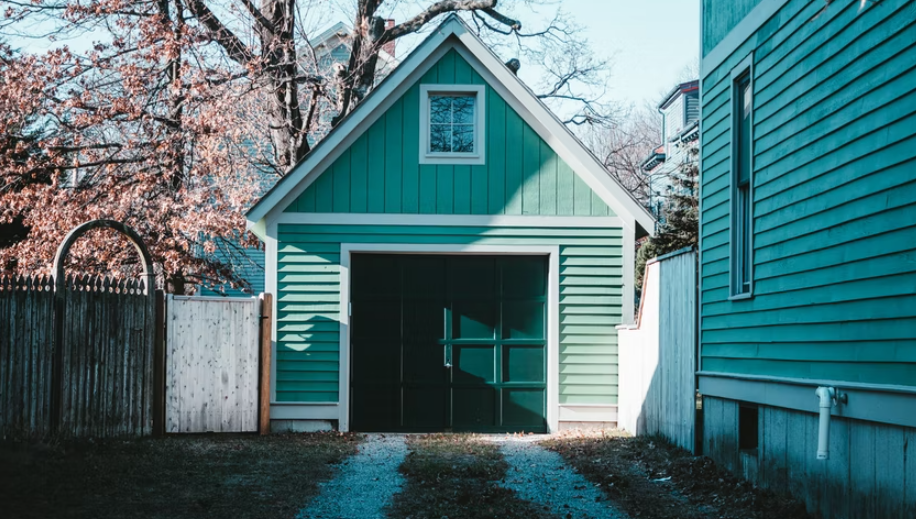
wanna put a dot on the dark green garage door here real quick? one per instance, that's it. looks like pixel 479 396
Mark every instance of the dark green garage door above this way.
pixel 448 343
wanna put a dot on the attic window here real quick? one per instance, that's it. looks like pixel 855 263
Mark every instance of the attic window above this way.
pixel 452 124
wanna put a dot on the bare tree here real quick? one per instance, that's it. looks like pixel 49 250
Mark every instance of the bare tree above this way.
pixel 170 119
pixel 624 146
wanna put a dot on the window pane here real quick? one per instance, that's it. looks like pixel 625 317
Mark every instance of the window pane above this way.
pixel 743 244
pixel 463 110
pixel 463 138
pixel 440 138
pixel 440 109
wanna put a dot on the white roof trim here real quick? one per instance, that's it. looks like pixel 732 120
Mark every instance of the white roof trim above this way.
pixel 507 84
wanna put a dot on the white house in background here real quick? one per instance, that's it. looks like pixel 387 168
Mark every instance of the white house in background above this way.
pixel 680 132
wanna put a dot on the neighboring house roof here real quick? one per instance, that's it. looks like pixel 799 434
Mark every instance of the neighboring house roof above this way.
pixel 682 88
pixel 657 157
pixel 452 33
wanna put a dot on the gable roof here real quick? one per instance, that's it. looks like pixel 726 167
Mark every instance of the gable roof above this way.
pixel 453 33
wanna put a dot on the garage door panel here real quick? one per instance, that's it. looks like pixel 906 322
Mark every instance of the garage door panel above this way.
pixel 375 362
pixel 424 276
pixel 472 278
pixel 523 408
pixel 474 364
pixel 474 320
pixel 425 407
pixel 376 276
pixel 524 277
pixel 523 320
pixel 474 409
pixel 523 363
pixel 375 408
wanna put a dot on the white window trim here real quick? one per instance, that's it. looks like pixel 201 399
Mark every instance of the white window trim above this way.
pixel 735 294
pixel 478 157
pixel 553 311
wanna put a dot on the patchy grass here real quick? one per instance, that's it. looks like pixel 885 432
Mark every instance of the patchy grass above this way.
pixel 455 476
pixel 179 477
pixel 648 477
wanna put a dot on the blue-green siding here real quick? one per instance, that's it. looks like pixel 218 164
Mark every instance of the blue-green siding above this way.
pixel 380 172
pixel 720 17
pixel 834 198
pixel 308 305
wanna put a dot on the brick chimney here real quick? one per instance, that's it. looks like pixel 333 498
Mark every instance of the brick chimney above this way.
pixel 389 47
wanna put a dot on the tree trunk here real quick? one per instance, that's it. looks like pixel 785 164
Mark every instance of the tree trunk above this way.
pixel 278 51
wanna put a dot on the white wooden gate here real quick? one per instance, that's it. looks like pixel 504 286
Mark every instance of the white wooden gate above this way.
pixel 212 350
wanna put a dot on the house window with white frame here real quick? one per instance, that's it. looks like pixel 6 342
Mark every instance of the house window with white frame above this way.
pixel 742 246
pixel 452 124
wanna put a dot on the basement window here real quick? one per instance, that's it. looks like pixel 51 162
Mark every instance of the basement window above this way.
pixel 452 124
pixel 748 427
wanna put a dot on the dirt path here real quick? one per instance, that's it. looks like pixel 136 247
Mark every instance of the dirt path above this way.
pixel 365 484
pixel 541 476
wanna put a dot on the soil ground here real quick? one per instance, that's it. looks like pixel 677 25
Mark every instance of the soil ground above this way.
pixel 179 477
pixel 456 476
pixel 647 477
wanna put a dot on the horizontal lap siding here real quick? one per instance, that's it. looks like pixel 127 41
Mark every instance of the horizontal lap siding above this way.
pixel 835 199
pixel 591 287
pixel 380 172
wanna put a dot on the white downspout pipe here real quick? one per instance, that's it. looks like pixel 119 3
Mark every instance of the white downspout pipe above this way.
pixel 827 399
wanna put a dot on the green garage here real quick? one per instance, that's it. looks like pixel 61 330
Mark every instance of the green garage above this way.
pixel 448 343
pixel 449 258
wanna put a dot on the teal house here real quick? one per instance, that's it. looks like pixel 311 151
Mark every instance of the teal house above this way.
pixel 808 249
pixel 450 257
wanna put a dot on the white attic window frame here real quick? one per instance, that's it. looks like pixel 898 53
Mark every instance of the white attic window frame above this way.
pixel 478 156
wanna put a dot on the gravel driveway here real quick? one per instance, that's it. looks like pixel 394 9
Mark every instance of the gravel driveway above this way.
pixel 365 484
pixel 542 477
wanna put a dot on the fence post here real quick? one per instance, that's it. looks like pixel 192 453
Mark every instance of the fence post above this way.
pixel 264 391
pixel 159 365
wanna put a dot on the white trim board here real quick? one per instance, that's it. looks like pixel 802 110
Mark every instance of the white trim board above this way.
pixel 871 402
pixel 746 28
pixel 452 33
pixel 414 219
pixel 325 411
pixel 553 311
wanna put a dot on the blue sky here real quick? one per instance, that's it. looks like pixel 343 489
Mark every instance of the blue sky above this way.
pixel 651 42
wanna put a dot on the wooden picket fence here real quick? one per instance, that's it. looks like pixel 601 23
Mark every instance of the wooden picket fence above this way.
pixel 100 381
pixel 112 377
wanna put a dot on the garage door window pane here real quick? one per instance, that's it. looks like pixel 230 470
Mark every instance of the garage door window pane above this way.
pixel 474 320
pixel 523 320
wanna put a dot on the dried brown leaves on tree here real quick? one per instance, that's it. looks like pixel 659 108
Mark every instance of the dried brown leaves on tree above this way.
pixel 180 112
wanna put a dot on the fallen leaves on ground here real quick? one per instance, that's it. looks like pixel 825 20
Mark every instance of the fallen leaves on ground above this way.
pixel 455 476
pixel 648 477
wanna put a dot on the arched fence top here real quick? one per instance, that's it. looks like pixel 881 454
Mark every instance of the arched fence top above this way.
pixel 149 277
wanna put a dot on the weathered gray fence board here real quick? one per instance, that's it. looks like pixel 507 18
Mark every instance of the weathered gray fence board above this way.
pixel 658 355
pixel 212 364
pixel 106 357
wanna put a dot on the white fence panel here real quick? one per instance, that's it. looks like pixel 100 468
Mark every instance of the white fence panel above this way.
pixel 212 364
pixel 658 354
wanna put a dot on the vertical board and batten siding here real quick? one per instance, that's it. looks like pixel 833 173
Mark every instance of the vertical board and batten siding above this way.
pixel 380 172
pixel 212 364
pixel 871 471
pixel 308 304
pixel 106 379
pixel 834 199
pixel 658 357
